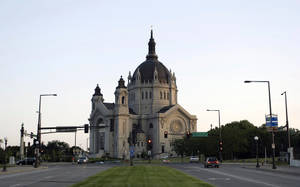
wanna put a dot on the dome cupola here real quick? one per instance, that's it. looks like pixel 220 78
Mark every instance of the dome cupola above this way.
pixel 121 83
pixel 97 91
pixel 147 68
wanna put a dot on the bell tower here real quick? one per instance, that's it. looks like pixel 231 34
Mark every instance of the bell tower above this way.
pixel 122 128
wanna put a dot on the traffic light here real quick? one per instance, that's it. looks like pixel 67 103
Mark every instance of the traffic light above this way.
pixel 188 135
pixel 221 145
pixel 86 128
pixel 149 144
pixel 31 135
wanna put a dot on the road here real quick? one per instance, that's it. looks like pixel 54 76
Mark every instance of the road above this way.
pixel 234 175
pixel 52 175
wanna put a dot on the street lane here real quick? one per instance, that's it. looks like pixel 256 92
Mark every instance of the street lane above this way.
pixel 58 176
pixel 237 176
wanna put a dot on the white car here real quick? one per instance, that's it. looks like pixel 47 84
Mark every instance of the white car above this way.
pixel 194 159
pixel 82 160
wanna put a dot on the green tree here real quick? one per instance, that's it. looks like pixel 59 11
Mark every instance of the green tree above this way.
pixel 56 151
pixel 179 147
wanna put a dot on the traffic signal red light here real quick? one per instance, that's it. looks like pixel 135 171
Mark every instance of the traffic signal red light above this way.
pixel 149 144
pixel 188 135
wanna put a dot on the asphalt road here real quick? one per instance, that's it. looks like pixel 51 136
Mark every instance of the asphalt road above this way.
pixel 52 175
pixel 61 175
pixel 239 176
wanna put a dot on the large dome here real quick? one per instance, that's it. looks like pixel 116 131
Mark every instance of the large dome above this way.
pixel 148 67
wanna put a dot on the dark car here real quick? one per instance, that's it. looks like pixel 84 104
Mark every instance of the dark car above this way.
pixel 26 161
pixel 211 162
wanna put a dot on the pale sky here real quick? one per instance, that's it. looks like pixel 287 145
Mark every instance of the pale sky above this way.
pixel 67 47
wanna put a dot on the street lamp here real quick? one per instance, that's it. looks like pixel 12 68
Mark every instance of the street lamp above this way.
pixel 270 107
pixel 256 140
pixel 37 151
pixel 220 134
pixel 287 125
pixel 5 144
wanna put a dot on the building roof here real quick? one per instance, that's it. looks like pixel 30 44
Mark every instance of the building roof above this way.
pixel 131 111
pixel 109 106
pixel 165 109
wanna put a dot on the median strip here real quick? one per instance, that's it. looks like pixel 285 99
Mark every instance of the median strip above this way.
pixel 142 175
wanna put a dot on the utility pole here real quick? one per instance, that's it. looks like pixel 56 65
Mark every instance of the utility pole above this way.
pixel 287 125
pixel 270 108
pixel 22 142
pixel 39 128
pixel 5 144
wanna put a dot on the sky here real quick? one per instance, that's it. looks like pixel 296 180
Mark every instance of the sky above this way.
pixel 67 47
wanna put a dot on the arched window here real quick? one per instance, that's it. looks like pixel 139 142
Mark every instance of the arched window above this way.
pixel 160 95
pixel 151 126
pixel 146 95
pixel 142 95
pixel 164 95
pixel 123 100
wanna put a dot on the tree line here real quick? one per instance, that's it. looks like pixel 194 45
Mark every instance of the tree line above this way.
pixel 54 151
pixel 238 142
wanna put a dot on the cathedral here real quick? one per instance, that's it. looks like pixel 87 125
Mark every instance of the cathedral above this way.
pixel 145 115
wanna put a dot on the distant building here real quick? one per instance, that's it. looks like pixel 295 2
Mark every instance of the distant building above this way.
pixel 146 109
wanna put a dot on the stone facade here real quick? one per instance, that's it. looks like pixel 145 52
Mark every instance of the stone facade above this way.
pixel 144 110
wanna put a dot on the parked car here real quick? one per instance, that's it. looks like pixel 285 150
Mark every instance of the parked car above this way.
pixel 211 162
pixel 164 157
pixel 82 160
pixel 194 159
pixel 26 161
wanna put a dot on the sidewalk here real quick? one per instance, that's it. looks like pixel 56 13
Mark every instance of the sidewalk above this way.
pixel 19 169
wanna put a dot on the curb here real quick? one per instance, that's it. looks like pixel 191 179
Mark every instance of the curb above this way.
pixel 278 170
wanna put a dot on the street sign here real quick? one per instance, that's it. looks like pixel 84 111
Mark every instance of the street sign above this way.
pixel 199 134
pixel 66 129
pixel 272 123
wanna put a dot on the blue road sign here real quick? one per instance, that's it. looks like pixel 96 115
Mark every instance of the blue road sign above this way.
pixel 131 151
pixel 272 122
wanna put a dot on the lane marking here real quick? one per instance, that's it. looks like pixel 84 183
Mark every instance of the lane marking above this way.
pixel 15 185
pixel 237 177
pixel 48 177
pixel 213 179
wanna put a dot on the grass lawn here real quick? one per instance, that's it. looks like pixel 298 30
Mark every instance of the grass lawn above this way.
pixel 142 176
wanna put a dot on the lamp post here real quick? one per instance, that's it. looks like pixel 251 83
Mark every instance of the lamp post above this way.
pixel 287 124
pixel 37 151
pixel 256 140
pixel 5 144
pixel 220 134
pixel 270 107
